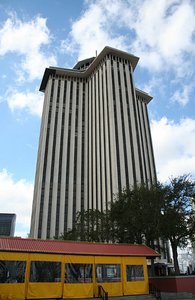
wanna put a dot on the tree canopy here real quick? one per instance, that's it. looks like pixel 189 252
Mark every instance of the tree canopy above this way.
pixel 135 214
pixel 91 225
pixel 178 215
pixel 143 215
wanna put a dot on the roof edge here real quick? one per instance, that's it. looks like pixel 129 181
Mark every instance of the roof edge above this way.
pixel 143 94
pixel 84 73
pixel 16 244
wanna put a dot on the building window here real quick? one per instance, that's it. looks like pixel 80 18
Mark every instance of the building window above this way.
pixel 78 273
pixel 45 271
pixel 135 272
pixel 108 273
pixel 12 271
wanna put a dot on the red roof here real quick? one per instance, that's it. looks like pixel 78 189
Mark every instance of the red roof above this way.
pixel 71 247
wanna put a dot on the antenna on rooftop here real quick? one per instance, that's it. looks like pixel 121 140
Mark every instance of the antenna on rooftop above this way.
pixel 96 53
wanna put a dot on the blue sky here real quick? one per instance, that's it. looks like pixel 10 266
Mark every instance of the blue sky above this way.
pixel 37 34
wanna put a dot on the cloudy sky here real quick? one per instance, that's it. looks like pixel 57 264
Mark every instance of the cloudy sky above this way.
pixel 41 33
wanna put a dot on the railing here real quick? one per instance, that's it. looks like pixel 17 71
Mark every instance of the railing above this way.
pixel 102 293
pixel 155 291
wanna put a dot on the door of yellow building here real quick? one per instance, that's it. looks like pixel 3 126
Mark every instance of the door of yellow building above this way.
pixel 108 274
pixel 45 276
pixel 135 276
pixel 13 269
pixel 78 276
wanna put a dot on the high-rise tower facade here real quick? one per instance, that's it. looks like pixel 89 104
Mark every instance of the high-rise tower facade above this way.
pixel 95 139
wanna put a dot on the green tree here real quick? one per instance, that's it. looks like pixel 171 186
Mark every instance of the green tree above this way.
pixel 91 225
pixel 143 215
pixel 177 218
pixel 135 214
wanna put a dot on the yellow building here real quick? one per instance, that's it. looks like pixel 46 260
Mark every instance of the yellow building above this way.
pixel 31 269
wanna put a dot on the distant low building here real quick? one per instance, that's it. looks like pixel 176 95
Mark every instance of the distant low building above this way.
pixel 186 259
pixel 7 224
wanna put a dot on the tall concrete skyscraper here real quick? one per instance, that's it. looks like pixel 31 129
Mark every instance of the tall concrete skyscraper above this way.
pixel 95 139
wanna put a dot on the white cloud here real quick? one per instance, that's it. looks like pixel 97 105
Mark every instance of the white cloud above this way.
pixel 27 39
pixel 174 147
pixel 165 29
pixel 16 197
pixel 93 30
pixel 182 95
pixel 152 84
pixel 32 102
pixel 160 32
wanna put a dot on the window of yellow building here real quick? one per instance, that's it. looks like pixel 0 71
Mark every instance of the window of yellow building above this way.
pixel 108 273
pixel 135 272
pixel 12 271
pixel 45 271
pixel 78 273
